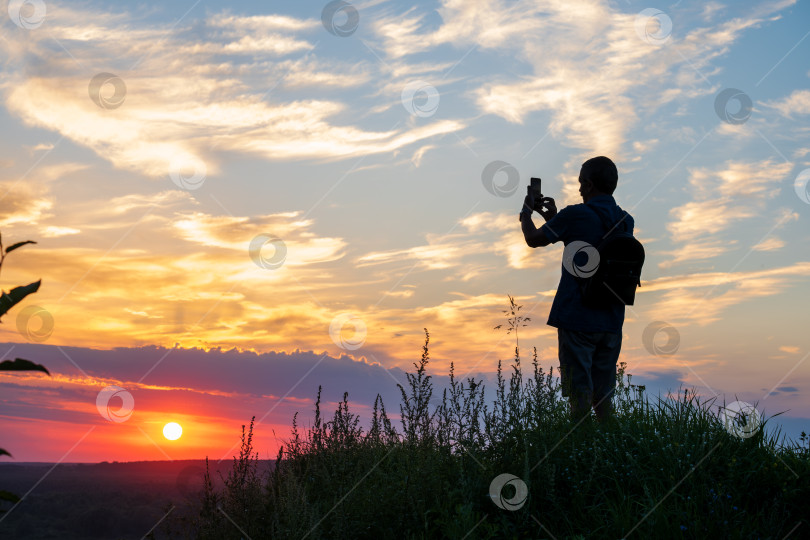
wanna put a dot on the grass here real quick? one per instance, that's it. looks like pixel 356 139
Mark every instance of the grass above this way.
pixel 664 470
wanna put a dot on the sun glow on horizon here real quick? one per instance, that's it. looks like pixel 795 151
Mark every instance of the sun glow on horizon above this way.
pixel 172 431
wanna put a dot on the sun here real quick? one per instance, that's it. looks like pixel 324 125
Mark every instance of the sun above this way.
pixel 172 431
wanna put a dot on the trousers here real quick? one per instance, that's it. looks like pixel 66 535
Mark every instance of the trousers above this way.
pixel 588 370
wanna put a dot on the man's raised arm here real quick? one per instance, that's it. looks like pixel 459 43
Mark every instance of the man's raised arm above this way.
pixel 535 237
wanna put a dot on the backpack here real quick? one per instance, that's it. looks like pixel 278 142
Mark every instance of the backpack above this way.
pixel 621 257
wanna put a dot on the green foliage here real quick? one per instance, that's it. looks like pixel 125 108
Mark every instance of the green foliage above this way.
pixel 8 496
pixel 7 301
pixel 669 470
pixel 17 294
pixel 12 247
pixel 514 320
pixel 417 421
pixel 20 364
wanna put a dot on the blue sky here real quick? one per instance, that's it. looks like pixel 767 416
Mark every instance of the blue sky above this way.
pixel 364 155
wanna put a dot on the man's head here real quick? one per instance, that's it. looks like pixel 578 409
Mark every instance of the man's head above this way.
pixel 597 176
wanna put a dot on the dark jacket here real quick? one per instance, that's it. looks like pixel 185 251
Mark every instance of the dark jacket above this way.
pixel 577 222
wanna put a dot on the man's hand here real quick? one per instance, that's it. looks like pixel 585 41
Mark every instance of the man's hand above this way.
pixel 528 202
pixel 546 207
pixel 535 237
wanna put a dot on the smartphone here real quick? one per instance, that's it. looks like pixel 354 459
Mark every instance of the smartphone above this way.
pixel 536 189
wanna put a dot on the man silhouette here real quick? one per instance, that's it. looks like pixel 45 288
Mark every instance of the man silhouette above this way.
pixel 589 339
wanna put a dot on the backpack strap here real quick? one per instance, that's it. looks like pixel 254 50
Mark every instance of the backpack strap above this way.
pixel 606 224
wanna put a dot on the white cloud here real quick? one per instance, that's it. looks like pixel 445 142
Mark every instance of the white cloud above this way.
pixel 486 233
pixel 589 67
pixel 261 23
pixel 190 92
pixel 440 252
pixel 701 298
pixel 236 233
pixel 722 197
pixel 797 103
pixel 23 203
pixel 52 231
pixel 771 243
pixel 710 9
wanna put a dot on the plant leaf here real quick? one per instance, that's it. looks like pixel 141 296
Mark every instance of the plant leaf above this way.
pixel 20 364
pixel 15 295
pixel 12 247
pixel 8 496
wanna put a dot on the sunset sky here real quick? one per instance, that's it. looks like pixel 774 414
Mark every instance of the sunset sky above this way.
pixel 312 184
